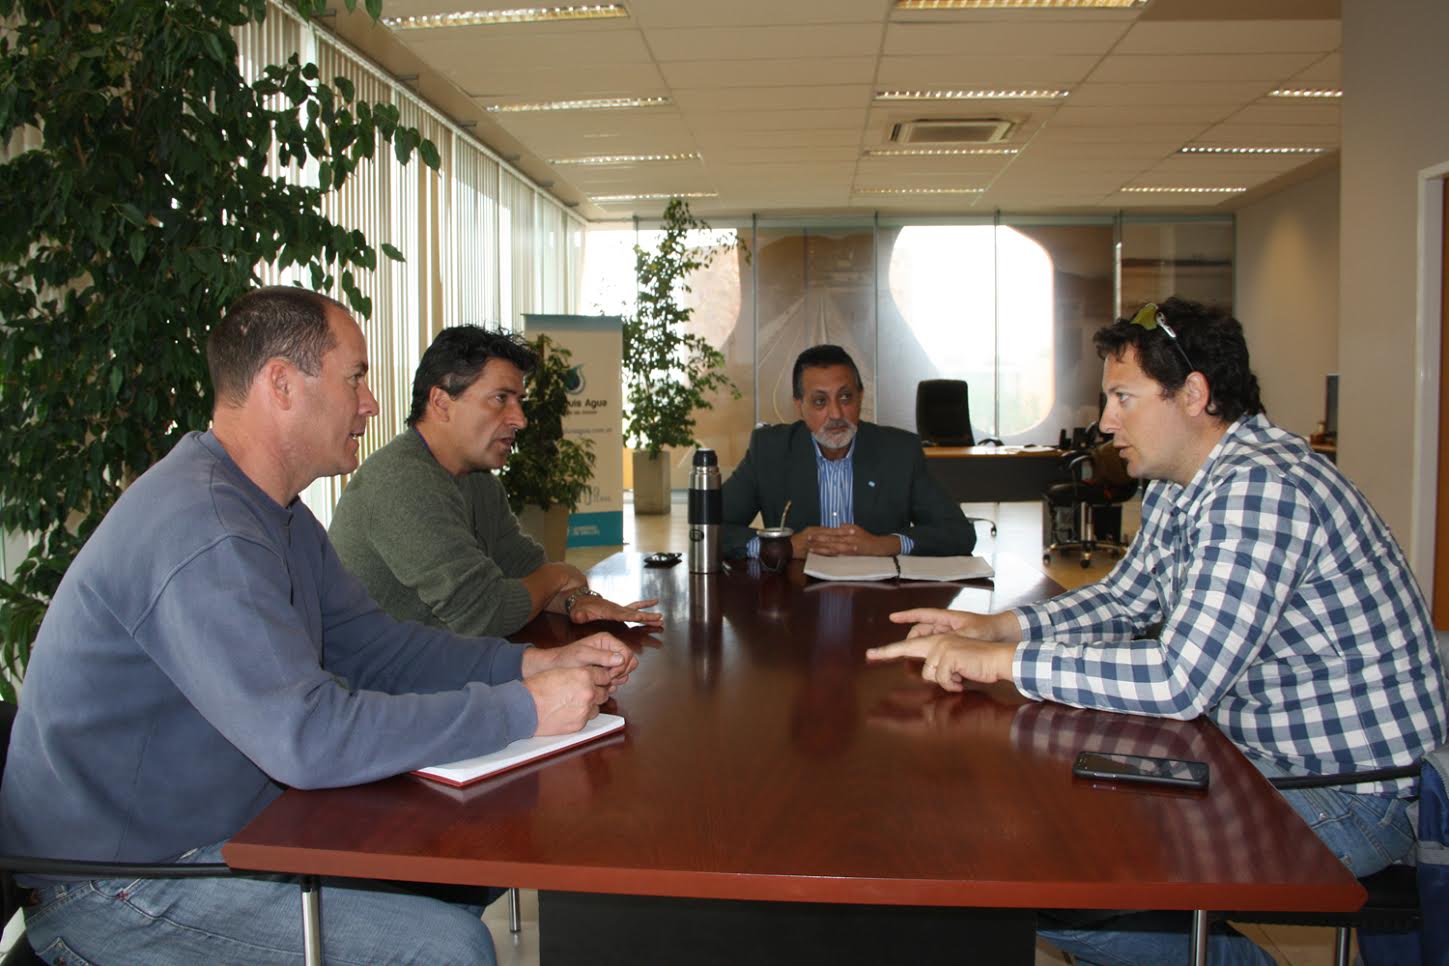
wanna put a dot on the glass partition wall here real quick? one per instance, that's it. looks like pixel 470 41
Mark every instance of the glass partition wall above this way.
pixel 1007 304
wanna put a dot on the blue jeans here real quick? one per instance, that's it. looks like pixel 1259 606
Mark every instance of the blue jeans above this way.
pixel 182 922
pixel 1366 832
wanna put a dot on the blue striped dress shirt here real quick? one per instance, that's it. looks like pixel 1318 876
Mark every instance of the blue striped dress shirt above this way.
pixel 837 496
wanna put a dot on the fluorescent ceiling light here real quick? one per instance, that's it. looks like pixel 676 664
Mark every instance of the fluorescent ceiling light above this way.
pixel 985 94
pixel 626 158
pixel 661 196
pixel 1306 92
pixel 1165 190
pixel 918 191
pixel 487 18
pixel 1215 149
pixel 933 152
pixel 588 104
pixel 1016 4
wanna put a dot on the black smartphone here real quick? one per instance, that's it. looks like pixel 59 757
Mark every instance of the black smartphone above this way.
pixel 1110 766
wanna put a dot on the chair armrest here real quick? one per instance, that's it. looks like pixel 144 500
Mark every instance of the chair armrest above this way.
pixel 1346 778
pixel 114 870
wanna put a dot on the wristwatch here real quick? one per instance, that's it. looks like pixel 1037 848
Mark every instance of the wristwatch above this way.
pixel 574 596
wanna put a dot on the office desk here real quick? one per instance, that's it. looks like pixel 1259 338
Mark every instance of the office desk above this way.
pixel 773 798
pixel 994 474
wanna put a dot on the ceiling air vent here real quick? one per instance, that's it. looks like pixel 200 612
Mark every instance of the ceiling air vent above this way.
pixel 940 130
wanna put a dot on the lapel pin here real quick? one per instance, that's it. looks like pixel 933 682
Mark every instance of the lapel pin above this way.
pixel 870 482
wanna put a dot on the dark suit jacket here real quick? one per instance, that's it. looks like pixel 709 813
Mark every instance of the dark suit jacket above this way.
pixel 892 491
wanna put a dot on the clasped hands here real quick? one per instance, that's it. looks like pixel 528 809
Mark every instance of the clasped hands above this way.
pixel 956 646
pixel 569 683
pixel 841 541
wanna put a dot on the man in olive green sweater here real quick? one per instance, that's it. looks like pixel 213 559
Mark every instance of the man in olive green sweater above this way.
pixel 424 522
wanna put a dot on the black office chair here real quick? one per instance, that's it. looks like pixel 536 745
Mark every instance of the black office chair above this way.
pixel 943 418
pixel 1085 513
pixel 21 953
pixel 943 413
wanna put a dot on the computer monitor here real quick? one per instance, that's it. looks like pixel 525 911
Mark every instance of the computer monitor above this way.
pixel 1330 405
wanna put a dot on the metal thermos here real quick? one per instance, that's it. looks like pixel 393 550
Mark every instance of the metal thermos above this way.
pixel 706 513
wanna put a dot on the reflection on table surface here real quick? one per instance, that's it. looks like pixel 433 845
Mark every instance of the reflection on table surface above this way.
pixel 763 758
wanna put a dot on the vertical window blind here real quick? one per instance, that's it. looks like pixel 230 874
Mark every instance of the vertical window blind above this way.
pixel 483 244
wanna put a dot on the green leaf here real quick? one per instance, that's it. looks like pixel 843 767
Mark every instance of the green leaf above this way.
pixel 374 9
pixel 213 47
pixel 138 247
pixel 392 252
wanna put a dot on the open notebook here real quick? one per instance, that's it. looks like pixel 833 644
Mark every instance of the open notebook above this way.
pixel 906 568
pixel 520 752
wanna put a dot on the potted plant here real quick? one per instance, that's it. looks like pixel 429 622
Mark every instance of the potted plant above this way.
pixel 548 474
pixel 121 247
pixel 667 370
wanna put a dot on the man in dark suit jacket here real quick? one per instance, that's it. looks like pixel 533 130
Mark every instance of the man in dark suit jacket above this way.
pixel 852 487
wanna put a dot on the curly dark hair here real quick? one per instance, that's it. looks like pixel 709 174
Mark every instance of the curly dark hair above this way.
pixel 1209 337
pixel 456 359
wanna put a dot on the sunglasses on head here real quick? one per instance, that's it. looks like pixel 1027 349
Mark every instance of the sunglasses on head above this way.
pixel 1150 317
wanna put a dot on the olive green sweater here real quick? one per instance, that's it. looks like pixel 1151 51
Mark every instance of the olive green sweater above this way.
pixel 433 548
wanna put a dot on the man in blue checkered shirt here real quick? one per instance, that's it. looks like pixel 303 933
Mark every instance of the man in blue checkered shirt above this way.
pixel 1262 590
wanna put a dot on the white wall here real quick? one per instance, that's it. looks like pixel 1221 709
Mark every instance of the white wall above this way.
pixel 1287 297
pixel 1395 124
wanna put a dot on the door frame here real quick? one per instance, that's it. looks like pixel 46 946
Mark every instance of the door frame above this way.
pixel 1427 377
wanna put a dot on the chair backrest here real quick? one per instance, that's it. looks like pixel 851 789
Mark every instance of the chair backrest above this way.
pixel 9 893
pixel 943 412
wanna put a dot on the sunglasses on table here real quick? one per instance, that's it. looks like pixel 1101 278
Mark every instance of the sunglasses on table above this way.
pixel 1150 317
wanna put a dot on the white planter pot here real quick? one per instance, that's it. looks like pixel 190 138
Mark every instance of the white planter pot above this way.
pixel 651 482
pixel 549 527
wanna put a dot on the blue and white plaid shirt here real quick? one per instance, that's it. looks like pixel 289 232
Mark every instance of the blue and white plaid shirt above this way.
pixel 1288 614
pixel 837 496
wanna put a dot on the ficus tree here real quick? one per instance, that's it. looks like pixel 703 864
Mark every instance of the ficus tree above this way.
pixel 669 372
pixel 144 209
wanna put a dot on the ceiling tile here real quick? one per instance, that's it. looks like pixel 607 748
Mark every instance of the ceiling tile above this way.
pixel 785 72
pixel 491 86
pixel 1166 91
pixel 1232 68
pixel 773 98
pixel 998 39
pixel 1287 113
pixel 656 14
pixel 1271 134
pixel 1177 38
pixel 1071 114
pixel 988 72
pixel 764 43
pixel 1328 70
pixel 729 121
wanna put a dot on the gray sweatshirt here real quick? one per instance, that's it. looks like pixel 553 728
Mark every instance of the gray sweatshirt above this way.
pixel 206 649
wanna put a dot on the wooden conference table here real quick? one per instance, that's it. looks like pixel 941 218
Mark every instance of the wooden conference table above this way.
pixel 775 799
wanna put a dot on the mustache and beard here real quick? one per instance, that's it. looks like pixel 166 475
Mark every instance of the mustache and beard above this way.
pixel 835 434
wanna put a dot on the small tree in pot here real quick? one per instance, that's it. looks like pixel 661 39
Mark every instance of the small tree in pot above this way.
pixel 667 371
pixel 548 474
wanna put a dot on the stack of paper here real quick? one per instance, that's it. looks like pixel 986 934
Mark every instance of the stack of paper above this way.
pixel 520 752
pixel 887 568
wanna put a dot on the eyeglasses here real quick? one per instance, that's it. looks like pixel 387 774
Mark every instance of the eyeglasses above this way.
pixel 1150 317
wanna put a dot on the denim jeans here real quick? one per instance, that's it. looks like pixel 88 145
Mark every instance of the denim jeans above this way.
pixel 1366 832
pixel 182 922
